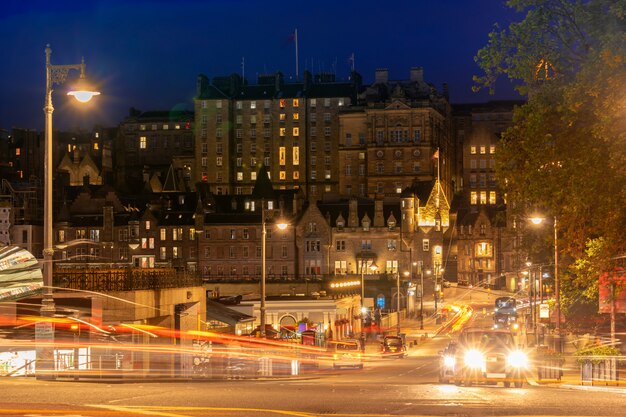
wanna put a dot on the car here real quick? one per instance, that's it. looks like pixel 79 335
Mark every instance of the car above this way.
pixel 347 354
pixel 393 346
pixel 447 363
pixel 489 356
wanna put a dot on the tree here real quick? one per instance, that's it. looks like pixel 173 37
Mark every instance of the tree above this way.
pixel 566 152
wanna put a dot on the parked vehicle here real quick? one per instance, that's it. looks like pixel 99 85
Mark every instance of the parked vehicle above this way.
pixel 489 356
pixel 347 353
pixel 393 346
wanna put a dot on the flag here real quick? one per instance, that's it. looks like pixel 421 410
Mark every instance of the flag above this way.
pixel 436 155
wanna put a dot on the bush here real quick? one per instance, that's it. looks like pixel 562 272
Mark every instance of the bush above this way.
pixel 596 354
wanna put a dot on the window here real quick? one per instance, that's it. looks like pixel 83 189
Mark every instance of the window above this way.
pixel 391 244
pixel 232 252
pixel 246 233
pixel 282 131
pixel 296 155
pixel 177 252
pixel 246 251
pixel 218 161
pixel 340 245
pixel 327 131
pixel 283 251
pixel 296 131
pixel 483 197
pixel 281 156
pixel 473 150
pixel 143 142
pixel 163 253
pixel 313 102
pixel 366 244
pixel 238 105
pixel 253 104
pixel 473 197
pixel 341 267
pixel 295 102
pixel 425 245
pixel 492 149
pixel 492 197
pixel 391 266
pixel 483 150
pixel 313 246
pixel 177 233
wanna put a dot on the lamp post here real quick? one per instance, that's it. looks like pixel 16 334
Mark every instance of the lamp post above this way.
pixel 281 226
pixel 373 268
pixel 428 272
pixel 557 284
pixel 398 302
pixel 44 332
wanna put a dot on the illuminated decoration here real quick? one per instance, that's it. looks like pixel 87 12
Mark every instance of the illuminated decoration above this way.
pixel 344 284
pixel 20 273
pixel 426 214
pixel 544 71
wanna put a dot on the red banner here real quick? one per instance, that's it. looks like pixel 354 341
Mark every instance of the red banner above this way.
pixel 617 282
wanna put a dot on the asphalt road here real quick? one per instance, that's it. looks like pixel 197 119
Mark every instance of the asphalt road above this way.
pixel 384 387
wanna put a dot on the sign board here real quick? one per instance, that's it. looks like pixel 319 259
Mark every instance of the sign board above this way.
pixel 544 311
pixel 612 288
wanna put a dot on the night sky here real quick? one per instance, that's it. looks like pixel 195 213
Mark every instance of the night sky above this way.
pixel 147 53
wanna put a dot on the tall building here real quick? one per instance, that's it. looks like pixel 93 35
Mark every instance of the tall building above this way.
pixel 290 127
pixel 484 249
pixel 399 133
pixel 149 145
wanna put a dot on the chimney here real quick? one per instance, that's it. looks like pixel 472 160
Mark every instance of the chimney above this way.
pixel 417 74
pixel 379 218
pixel 353 213
pixel 382 76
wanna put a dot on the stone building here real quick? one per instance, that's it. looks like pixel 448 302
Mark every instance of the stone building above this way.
pixel 290 127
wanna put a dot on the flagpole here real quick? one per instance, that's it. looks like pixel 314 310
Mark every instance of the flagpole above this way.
pixel 296 34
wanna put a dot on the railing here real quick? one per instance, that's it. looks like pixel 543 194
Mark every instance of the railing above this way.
pixel 257 278
pixel 124 279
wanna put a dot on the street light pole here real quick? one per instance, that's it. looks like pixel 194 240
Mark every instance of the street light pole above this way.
pixel 421 297
pixel 263 237
pixel 557 285
pixel 362 312
pixel 398 301
pixel 44 331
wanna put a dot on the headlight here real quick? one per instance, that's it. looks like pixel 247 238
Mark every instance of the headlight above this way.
pixel 518 359
pixel 449 361
pixel 474 359
pixel 515 326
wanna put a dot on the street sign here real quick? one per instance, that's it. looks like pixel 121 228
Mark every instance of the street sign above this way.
pixel 544 311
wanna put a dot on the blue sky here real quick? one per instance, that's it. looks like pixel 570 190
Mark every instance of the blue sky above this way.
pixel 147 53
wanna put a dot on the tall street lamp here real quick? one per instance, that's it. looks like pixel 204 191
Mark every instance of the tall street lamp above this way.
pixel 55 74
pixel 373 268
pixel 557 283
pixel 398 302
pixel 281 226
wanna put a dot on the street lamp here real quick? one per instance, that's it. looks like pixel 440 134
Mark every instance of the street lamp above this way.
pixel 44 332
pixel 557 284
pixel 398 302
pixel 373 268
pixel 428 272
pixel 281 226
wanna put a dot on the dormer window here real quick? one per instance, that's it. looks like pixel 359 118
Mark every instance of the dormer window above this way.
pixel 341 224
pixel 391 224
pixel 366 225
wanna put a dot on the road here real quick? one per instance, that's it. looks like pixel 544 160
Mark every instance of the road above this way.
pixel 384 387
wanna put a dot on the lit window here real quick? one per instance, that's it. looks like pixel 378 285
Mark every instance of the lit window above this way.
pixel 492 149
pixel 473 197
pixel 296 155
pixel 483 197
pixel 239 105
pixel 282 131
pixel 296 175
pixel 295 102
pixel 282 175
pixel 473 150
pixel 296 116
pixel 483 150
pixel 239 176
pixel 492 197
pixel 253 104
pixel 282 117
pixel 313 102
pixel 218 104
pixel 340 102
pixel 296 131
pixel 281 103
pixel 281 155
pixel 425 245
pixel 143 142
